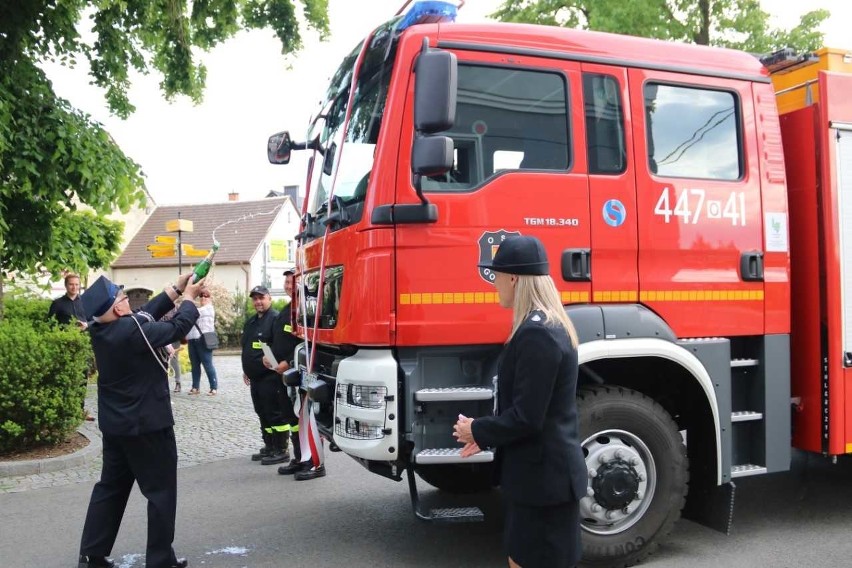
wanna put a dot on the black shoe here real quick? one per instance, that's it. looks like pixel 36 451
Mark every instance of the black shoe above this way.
pixel 95 562
pixel 312 473
pixel 180 563
pixel 264 451
pixel 293 467
pixel 275 457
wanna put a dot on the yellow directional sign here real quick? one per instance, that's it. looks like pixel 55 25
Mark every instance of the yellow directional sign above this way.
pixel 161 248
pixel 163 254
pixel 176 225
pixel 166 240
pixel 190 250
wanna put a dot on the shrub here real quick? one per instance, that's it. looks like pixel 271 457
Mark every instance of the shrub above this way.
pixel 42 370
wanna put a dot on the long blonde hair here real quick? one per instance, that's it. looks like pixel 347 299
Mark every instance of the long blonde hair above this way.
pixel 540 293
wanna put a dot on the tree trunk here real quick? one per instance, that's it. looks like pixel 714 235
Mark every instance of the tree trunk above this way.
pixel 702 36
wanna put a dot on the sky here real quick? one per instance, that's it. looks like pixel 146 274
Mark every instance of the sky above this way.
pixel 200 153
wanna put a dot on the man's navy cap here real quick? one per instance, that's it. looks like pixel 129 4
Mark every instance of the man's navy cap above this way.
pixel 289 272
pixel 99 297
pixel 520 255
pixel 258 290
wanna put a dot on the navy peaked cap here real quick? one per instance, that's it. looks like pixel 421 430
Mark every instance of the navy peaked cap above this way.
pixel 99 297
pixel 520 255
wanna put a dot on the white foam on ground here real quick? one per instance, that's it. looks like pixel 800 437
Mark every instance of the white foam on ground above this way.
pixel 129 560
pixel 233 550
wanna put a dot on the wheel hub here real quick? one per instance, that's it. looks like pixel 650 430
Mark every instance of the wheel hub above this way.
pixel 622 481
pixel 616 484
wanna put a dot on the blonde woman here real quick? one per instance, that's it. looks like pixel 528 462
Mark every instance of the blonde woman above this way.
pixel 534 431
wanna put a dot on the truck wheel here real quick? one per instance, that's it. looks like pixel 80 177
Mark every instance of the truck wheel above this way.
pixel 638 474
pixel 458 479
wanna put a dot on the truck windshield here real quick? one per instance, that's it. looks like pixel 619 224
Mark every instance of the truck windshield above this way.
pixel 354 149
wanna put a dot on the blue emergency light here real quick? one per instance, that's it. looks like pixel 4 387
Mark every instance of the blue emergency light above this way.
pixel 428 12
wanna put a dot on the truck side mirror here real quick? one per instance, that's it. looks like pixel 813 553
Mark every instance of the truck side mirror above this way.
pixel 432 155
pixel 435 90
pixel 278 148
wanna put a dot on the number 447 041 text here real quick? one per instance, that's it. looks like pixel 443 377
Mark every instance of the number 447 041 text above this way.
pixel 691 206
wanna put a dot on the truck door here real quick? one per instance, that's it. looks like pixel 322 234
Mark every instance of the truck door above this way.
pixel 698 196
pixel 612 190
pixel 518 170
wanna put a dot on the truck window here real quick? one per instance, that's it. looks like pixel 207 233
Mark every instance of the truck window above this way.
pixel 692 132
pixel 604 124
pixel 507 119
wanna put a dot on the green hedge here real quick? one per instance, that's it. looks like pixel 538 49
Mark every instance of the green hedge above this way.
pixel 42 370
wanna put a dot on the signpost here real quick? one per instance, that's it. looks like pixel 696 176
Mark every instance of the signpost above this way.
pixel 168 246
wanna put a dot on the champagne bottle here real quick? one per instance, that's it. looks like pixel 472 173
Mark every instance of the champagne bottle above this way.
pixel 202 268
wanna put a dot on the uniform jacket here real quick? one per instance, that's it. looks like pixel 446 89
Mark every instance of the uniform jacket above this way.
pixel 255 331
pixel 535 429
pixel 284 343
pixel 133 389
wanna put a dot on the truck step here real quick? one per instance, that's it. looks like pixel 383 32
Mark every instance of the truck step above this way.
pixel 746 416
pixel 747 469
pixel 744 362
pixel 433 456
pixel 456 515
pixel 454 394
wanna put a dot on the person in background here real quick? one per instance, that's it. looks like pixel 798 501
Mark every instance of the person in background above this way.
pixel 199 354
pixel 135 416
pixel 67 309
pixel 265 384
pixel 543 473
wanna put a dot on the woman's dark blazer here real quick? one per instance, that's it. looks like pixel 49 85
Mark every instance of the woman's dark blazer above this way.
pixel 535 430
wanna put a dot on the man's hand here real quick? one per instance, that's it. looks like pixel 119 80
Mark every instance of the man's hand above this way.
pixel 246 380
pixel 193 290
pixel 461 431
pixel 266 363
pixel 182 281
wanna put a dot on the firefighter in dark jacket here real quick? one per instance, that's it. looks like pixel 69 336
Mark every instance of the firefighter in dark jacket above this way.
pixel 135 416
pixel 267 391
pixel 284 344
pixel 535 429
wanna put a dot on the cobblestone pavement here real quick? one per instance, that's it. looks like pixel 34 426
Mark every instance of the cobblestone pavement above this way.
pixel 207 428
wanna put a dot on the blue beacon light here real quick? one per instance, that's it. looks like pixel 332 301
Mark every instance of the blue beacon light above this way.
pixel 428 12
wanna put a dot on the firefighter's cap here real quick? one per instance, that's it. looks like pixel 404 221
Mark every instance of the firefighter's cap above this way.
pixel 99 297
pixel 520 255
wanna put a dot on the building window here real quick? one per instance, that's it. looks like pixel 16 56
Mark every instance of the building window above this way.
pixel 692 132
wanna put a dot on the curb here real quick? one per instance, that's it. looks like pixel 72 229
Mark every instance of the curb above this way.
pixel 46 465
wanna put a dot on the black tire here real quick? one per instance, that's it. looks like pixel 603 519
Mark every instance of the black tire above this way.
pixel 621 422
pixel 458 479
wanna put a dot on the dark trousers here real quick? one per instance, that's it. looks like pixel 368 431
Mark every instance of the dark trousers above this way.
pixel 151 460
pixel 275 406
pixel 257 403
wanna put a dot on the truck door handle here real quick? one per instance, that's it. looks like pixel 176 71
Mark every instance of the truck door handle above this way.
pixel 751 266
pixel 577 265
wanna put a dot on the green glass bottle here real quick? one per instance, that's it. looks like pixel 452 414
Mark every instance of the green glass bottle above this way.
pixel 202 268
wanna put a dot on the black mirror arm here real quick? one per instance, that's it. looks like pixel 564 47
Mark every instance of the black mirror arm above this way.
pixel 418 189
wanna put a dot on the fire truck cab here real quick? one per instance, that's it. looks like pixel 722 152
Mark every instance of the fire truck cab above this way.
pixel 654 173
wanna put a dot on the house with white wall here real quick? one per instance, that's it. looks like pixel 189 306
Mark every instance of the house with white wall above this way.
pixel 256 245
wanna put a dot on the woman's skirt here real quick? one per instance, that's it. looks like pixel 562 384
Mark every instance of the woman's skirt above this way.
pixel 543 537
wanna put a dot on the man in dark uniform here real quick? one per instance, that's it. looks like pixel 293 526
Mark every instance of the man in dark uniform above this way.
pixel 284 344
pixel 267 391
pixel 135 415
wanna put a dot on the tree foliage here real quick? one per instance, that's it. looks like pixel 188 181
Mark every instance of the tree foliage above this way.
pixel 54 157
pixel 738 24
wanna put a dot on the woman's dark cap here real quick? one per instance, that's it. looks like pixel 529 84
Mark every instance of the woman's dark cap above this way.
pixel 520 255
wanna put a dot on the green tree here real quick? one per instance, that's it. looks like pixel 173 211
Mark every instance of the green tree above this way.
pixel 738 24
pixel 53 156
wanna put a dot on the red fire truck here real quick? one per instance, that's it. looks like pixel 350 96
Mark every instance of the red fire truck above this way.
pixel 709 284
